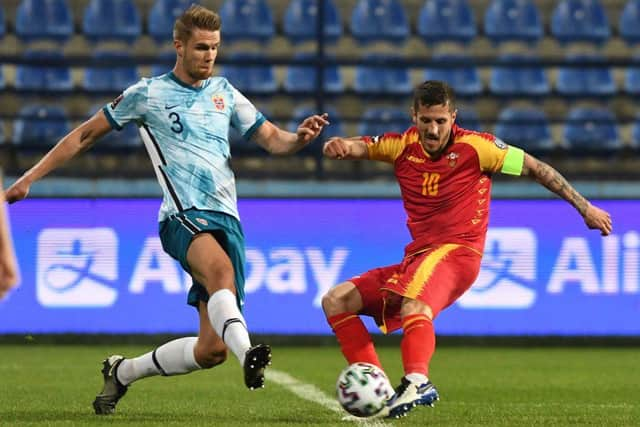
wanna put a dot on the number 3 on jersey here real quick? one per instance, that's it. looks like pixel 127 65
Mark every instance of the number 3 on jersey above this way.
pixel 176 125
pixel 430 183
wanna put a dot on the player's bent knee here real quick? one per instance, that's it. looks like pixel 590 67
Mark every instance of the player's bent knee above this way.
pixel 411 306
pixel 333 303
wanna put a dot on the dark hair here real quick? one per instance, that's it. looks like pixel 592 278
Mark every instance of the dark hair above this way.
pixel 195 16
pixel 434 92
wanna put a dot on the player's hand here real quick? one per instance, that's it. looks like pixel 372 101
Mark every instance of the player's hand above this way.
pixel 311 127
pixel 336 148
pixel 17 191
pixel 596 218
pixel 8 274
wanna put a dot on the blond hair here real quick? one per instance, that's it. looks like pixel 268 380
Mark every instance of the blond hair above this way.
pixel 195 16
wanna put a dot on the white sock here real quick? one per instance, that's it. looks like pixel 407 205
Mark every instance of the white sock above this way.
pixel 416 377
pixel 173 358
pixel 228 322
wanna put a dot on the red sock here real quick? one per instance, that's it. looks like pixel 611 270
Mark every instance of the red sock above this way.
pixel 355 341
pixel 418 343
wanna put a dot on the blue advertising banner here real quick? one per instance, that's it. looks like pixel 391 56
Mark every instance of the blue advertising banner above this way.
pixel 97 266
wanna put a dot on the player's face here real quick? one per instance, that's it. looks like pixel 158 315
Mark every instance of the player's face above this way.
pixel 434 124
pixel 199 54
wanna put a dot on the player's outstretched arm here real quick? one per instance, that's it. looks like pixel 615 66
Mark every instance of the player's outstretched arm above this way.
pixel 8 268
pixel 345 148
pixel 76 141
pixel 280 142
pixel 594 217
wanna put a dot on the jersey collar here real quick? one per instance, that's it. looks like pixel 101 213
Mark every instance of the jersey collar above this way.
pixel 175 78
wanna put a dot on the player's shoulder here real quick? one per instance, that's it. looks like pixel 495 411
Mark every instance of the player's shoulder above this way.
pixel 407 137
pixel 219 83
pixel 462 134
pixel 141 86
pixel 480 141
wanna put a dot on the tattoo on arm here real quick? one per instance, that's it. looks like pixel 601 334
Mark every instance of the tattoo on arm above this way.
pixel 551 179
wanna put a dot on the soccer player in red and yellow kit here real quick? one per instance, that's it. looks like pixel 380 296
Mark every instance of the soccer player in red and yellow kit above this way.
pixel 444 173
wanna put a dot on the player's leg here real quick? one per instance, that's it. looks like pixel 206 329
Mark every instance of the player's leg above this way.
pixel 176 357
pixel 342 306
pixel 212 268
pixel 417 348
pixel 430 282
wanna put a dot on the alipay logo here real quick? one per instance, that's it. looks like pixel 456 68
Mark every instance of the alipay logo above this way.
pixel 76 267
pixel 507 272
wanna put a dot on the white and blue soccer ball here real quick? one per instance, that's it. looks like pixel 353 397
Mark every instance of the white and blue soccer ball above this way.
pixel 363 389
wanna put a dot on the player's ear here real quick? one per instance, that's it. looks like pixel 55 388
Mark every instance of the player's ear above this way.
pixel 179 47
pixel 454 115
pixel 413 116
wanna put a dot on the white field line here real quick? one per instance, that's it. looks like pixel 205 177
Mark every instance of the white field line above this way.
pixel 314 394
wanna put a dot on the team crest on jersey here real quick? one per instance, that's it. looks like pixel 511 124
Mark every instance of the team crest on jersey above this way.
pixel 218 101
pixel 500 144
pixel 453 159
pixel 116 101
pixel 202 221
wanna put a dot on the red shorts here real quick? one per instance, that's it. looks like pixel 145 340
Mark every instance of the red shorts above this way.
pixel 437 276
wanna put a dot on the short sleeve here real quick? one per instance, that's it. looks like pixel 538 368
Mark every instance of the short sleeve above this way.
pixel 386 147
pixel 493 153
pixel 130 105
pixel 245 118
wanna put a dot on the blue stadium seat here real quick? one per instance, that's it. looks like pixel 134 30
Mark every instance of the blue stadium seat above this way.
pixel 380 120
pixel 513 20
pixel 446 21
pixel 257 79
pixel 44 20
pixel 247 20
pixel 301 20
pixel 635 133
pixel 379 21
pixel 592 129
pixel 518 80
pixel 167 60
pixel 2 24
pixel 162 16
pixel 580 21
pixel 111 20
pixel 467 118
pixel 524 127
pixel 586 80
pixel 463 78
pixel 40 125
pixel 115 78
pixel 380 78
pixel 43 77
pixel 632 79
pixel 629 22
pixel 302 78
pixel 1 77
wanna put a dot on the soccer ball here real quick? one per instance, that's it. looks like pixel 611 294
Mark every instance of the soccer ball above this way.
pixel 363 389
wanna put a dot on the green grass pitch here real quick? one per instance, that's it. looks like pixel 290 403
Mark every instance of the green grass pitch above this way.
pixel 492 386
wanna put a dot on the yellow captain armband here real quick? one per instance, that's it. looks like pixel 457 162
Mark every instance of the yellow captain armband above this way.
pixel 513 161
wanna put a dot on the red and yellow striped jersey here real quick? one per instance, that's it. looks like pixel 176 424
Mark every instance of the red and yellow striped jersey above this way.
pixel 446 198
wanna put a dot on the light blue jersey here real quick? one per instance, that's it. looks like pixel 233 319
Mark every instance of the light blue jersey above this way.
pixel 185 130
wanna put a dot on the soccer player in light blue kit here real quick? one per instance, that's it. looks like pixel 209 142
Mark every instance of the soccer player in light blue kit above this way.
pixel 184 118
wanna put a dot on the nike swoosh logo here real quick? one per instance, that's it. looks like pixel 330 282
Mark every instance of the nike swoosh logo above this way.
pixel 169 107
